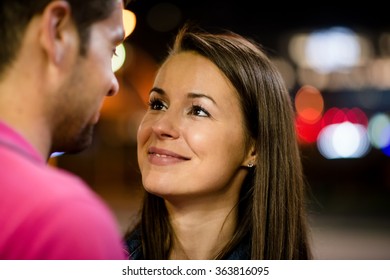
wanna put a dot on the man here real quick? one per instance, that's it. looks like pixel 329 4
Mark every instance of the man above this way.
pixel 55 71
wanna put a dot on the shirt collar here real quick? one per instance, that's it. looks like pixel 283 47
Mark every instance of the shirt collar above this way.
pixel 12 140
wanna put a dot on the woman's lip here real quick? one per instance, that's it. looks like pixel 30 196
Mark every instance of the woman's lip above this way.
pixel 162 157
pixel 162 153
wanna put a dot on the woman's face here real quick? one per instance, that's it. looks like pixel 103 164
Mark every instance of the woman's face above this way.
pixel 191 141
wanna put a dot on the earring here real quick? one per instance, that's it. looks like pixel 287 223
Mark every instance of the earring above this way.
pixel 250 165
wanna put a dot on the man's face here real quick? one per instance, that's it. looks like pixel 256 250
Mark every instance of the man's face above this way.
pixel 90 80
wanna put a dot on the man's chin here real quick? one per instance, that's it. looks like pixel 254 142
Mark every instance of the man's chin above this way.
pixel 78 144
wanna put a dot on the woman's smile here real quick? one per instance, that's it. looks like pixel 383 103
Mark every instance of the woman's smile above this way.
pixel 164 157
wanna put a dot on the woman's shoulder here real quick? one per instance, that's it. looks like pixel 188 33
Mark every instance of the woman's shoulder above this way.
pixel 134 244
pixel 241 252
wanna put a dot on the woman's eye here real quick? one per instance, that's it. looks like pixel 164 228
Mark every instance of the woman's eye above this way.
pixel 197 110
pixel 156 104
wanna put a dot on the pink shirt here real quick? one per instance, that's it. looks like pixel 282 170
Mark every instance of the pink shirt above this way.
pixel 47 213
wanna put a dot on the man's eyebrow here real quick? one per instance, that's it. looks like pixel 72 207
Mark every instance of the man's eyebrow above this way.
pixel 120 37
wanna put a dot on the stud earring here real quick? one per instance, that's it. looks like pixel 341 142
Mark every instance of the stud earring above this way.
pixel 250 165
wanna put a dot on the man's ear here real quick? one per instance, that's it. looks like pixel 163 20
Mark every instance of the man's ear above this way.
pixel 56 30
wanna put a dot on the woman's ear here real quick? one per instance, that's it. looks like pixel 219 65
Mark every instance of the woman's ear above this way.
pixel 250 160
pixel 57 29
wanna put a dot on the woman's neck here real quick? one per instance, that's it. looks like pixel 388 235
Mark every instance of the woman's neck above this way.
pixel 201 234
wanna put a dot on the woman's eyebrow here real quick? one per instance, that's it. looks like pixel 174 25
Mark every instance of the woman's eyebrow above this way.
pixel 158 90
pixel 194 95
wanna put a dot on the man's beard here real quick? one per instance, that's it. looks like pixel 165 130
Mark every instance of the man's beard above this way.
pixel 75 144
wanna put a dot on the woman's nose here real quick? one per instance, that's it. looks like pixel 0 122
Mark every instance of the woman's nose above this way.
pixel 167 126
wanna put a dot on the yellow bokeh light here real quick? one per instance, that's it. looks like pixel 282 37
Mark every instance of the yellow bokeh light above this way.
pixel 118 59
pixel 129 21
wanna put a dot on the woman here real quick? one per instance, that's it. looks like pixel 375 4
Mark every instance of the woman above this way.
pixel 218 156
